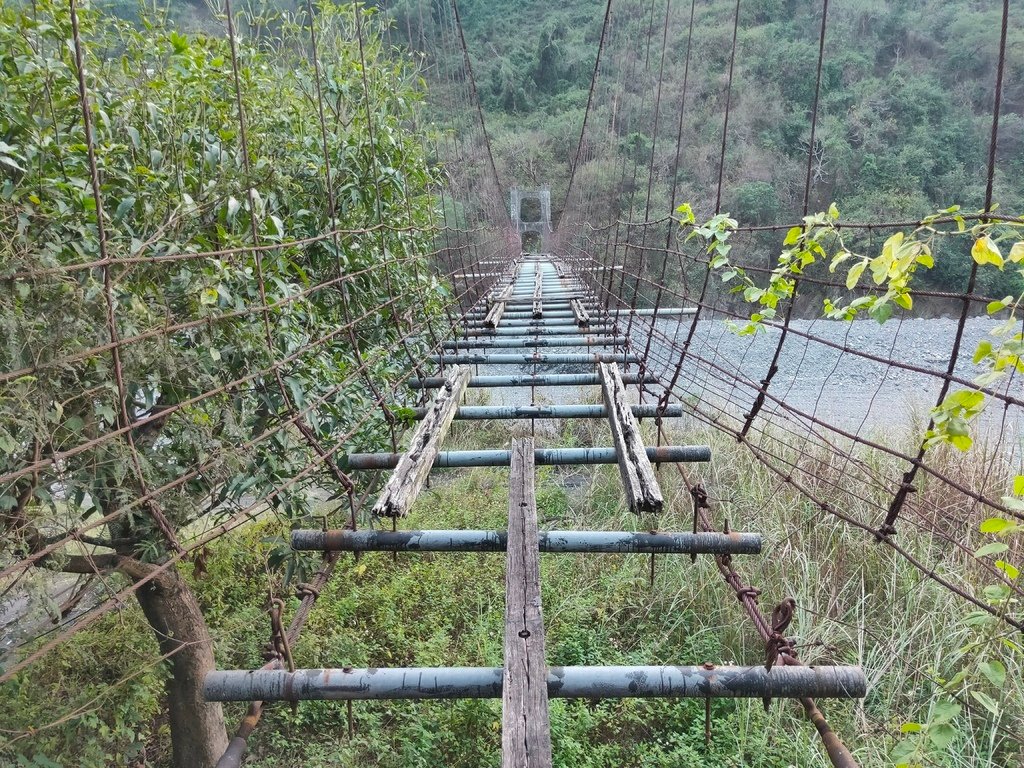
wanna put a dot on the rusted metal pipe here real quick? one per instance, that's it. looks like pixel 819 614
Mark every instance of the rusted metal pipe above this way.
pixel 557 341
pixel 542 456
pixel 705 681
pixel 481 412
pixel 540 380
pixel 345 540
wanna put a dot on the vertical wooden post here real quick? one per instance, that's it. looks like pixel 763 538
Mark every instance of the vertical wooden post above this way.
pixel 526 728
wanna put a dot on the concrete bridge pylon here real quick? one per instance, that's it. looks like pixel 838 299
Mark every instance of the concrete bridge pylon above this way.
pixel 534 235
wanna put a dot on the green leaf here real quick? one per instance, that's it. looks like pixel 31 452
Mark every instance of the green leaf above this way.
pixel 179 42
pixel 295 387
pixel 961 442
pixel 904 754
pixel 1018 485
pixel 993 548
pixel 994 671
pixel 985 251
pixel 968 399
pixel 941 735
pixel 854 274
pixel 986 701
pixel 995 525
pixel 910 728
pixel 124 207
pixel 881 311
pixel 793 235
pixel 1008 568
pixel 8 161
pixel 1016 254
pixel 209 296
pixel 984 350
pixel 944 711
pixel 995 306
pixel 904 300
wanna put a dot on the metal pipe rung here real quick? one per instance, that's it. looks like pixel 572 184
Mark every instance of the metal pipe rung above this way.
pixel 596 542
pixel 540 380
pixel 562 330
pixel 535 359
pixel 676 682
pixel 482 412
pixel 541 456
pixel 555 341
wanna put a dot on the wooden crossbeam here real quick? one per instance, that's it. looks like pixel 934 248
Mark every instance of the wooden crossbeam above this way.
pixel 638 479
pixel 582 316
pixel 526 728
pixel 409 476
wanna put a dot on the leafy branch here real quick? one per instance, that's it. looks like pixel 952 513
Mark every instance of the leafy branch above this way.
pixel 820 240
pixel 981 678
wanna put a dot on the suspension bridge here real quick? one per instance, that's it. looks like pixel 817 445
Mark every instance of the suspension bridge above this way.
pixel 539 299
pixel 256 275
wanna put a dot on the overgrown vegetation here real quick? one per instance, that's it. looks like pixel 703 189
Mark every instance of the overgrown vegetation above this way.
pixel 874 610
pixel 180 341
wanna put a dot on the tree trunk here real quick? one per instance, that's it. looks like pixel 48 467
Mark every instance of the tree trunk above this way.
pixel 198 734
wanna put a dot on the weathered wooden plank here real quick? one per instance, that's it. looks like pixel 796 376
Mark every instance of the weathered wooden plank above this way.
pixel 409 476
pixel 638 479
pixel 538 289
pixel 582 316
pixel 526 731
pixel 498 308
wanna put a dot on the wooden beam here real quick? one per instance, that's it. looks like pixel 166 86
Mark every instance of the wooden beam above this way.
pixel 638 479
pixel 582 316
pixel 409 476
pixel 538 305
pixel 526 728
pixel 498 308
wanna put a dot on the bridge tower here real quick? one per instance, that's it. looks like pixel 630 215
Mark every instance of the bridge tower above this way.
pixel 536 223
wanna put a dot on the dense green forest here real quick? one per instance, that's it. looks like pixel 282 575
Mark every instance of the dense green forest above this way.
pixel 903 127
pixel 905 108
pixel 904 117
pixel 253 311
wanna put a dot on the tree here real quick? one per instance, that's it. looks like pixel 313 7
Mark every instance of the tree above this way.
pixel 152 392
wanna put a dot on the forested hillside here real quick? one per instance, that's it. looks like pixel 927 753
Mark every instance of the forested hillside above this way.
pixel 904 118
